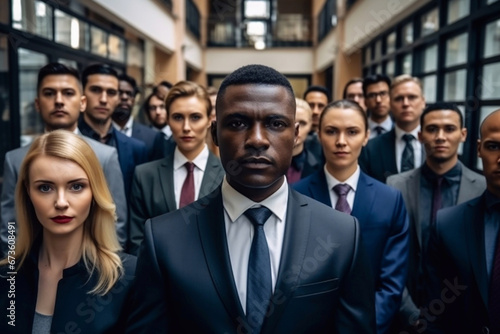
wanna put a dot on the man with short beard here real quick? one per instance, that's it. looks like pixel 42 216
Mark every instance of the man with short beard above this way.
pixel 123 122
pixel 442 181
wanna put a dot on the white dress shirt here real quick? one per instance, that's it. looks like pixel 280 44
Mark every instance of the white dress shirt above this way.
pixel 352 181
pixel 127 129
pixel 240 231
pixel 401 144
pixel 386 126
pixel 180 172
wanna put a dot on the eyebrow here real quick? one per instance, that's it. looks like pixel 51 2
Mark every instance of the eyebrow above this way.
pixel 70 181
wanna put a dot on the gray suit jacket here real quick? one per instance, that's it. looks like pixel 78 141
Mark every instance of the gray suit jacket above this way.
pixel 153 194
pixel 109 161
pixel 471 185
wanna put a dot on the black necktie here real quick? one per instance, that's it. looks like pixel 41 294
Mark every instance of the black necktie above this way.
pixel 259 281
pixel 379 130
pixel 436 198
pixel 408 157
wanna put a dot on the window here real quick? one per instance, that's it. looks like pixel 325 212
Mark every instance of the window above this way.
pixel 489 82
pixel 256 9
pixel 457 9
pixel 407 34
pixel 492 39
pixel 4 11
pixel 34 17
pixel 71 31
pixel 378 49
pixel 390 43
pixel 116 47
pixel 430 58
pixel 429 22
pixel 407 63
pixel 454 85
pixel 390 69
pixel 429 87
pixel 99 41
pixel 456 50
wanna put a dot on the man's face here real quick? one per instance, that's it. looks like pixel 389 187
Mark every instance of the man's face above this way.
pixel 303 117
pixel 317 101
pixel 377 101
pixel 488 148
pixel 255 131
pixel 60 102
pixel 102 97
pixel 126 102
pixel 157 112
pixel 354 92
pixel 441 134
pixel 407 104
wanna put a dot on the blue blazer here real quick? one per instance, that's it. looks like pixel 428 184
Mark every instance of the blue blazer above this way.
pixel 153 139
pixel 131 152
pixel 384 229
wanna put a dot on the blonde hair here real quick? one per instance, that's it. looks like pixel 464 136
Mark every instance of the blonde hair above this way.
pixel 302 104
pixel 188 89
pixel 100 242
pixel 403 78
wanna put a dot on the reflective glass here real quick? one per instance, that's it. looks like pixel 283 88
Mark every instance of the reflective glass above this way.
pixel 492 39
pixel 454 85
pixel 32 16
pixel 457 9
pixel 456 50
pixel 490 85
pixel 429 22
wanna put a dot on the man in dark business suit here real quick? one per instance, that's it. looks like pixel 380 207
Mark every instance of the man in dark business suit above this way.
pixel 464 253
pixel 156 188
pixel 397 150
pixel 441 133
pixel 193 265
pixel 124 122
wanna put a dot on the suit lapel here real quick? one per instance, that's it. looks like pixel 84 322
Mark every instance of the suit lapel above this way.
pixel 474 219
pixel 213 171
pixel 166 177
pixel 319 188
pixel 298 221
pixel 213 239
pixel 466 183
pixel 363 198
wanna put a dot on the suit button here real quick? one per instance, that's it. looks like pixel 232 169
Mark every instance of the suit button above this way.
pixel 485 330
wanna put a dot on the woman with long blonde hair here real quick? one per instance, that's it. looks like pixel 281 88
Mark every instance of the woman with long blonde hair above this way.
pixel 64 270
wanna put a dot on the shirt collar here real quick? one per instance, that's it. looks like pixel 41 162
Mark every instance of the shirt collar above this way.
pixel 387 124
pixel 352 181
pixel 236 203
pixel 400 133
pixel 451 176
pixel 126 127
pixel 200 161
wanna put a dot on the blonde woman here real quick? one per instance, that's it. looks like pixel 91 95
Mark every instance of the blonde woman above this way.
pixel 65 271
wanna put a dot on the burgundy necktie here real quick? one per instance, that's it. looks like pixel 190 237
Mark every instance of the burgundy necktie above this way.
pixel 342 190
pixel 187 192
pixel 494 297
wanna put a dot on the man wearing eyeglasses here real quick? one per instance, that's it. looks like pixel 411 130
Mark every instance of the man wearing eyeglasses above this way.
pixel 100 86
pixel 377 101
pixel 124 122
pixel 398 150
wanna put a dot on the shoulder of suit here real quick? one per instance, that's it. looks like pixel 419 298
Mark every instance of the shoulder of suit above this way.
pixel 136 143
pixel 456 212
pixel 151 166
pixel 402 177
pixel 305 181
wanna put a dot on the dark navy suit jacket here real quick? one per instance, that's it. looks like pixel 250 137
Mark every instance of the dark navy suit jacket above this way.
pixel 378 157
pixel 131 152
pixel 153 139
pixel 384 228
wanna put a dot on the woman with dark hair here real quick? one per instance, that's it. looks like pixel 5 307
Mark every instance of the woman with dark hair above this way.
pixel 343 131
pixel 65 270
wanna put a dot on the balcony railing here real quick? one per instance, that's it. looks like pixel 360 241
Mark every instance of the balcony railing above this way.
pixel 289 30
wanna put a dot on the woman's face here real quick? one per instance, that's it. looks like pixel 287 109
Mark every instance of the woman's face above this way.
pixel 60 192
pixel 342 135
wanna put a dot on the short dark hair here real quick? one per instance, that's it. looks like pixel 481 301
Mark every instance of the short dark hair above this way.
pixel 255 75
pixel 319 89
pixel 375 78
pixel 350 82
pixel 130 80
pixel 442 106
pixel 56 69
pixel 97 69
pixel 344 104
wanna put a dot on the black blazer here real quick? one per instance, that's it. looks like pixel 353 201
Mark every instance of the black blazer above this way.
pixel 75 310
pixel 185 282
pixel 378 157
pixel 154 140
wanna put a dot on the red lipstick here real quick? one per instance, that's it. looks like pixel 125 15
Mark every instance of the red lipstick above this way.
pixel 61 219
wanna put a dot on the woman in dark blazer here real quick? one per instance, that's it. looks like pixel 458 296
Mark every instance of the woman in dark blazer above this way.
pixel 343 131
pixel 64 271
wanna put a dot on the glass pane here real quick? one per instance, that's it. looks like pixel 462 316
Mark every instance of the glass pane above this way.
pixel 492 42
pixel 489 82
pixel 99 41
pixel 485 111
pixel 429 88
pixel 407 34
pixel 256 28
pixel 4 11
pixel 457 9
pixel 368 55
pixel 116 48
pixel 390 68
pixel 407 63
pixel 430 22
pixel 456 50
pixel 491 1
pixel 257 9
pixel 378 49
pixel 454 85
pixel 32 16
pixel 430 58
pixel 378 70
pixel 71 31
pixel 5 120
pixel 68 62
pixel 391 43
pixel 29 64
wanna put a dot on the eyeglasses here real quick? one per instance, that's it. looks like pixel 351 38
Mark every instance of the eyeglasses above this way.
pixel 372 96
